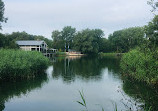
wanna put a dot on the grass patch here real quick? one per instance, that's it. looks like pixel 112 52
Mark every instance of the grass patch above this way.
pixel 21 64
pixel 110 54
pixel 60 54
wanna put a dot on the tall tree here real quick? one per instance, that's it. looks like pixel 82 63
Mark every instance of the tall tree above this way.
pixel 2 18
pixel 87 41
pixel 58 41
pixel 68 34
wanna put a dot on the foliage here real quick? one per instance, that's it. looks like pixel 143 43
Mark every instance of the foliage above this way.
pixel 151 31
pixel 21 64
pixel 64 37
pixel 153 4
pixel 87 41
pixel 105 45
pixel 141 66
pixel 68 34
pixel 126 39
pixel 58 42
pixel 9 40
pixel 2 18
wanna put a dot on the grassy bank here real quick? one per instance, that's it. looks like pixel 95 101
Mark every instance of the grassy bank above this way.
pixel 60 54
pixel 111 54
pixel 21 64
pixel 141 66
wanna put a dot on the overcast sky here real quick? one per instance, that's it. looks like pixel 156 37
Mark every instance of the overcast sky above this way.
pixel 41 17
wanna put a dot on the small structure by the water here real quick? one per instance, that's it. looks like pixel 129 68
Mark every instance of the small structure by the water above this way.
pixel 51 52
pixel 33 45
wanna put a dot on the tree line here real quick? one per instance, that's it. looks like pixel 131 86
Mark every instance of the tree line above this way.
pixel 89 41
pixel 93 41
pixel 8 41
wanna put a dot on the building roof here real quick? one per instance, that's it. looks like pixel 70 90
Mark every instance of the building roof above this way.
pixel 29 42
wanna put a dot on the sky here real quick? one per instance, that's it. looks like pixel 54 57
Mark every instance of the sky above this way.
pixel 41 17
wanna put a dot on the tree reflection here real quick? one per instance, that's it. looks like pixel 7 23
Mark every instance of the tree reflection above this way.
pixel 87 68
pixel 10 89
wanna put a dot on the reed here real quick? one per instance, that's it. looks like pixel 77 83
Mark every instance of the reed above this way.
pixel 21 64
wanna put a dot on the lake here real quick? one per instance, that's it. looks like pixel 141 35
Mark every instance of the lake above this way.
pixel 58 90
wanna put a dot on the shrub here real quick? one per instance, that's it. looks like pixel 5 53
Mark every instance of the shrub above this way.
pixel 21 64
pixel 141 66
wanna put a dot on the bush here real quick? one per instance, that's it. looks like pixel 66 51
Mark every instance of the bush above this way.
pixel 21 64
pixel 141 66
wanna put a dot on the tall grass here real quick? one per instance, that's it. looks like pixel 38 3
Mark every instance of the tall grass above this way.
pixel 83 102
pixel 21 64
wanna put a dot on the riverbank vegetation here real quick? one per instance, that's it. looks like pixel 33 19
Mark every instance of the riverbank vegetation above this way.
pixel 60 54
pixel 142 63
pixel 21 64
pixel 141 66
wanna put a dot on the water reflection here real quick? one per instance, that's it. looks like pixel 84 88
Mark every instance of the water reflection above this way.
pixel 98 77
pixel 134 94
pixel 86 68
pixel 10 89
pixel 141 93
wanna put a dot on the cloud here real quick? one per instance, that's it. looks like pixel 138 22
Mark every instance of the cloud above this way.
pixel 43 16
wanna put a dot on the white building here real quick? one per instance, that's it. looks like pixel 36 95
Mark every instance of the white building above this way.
pixel 33 45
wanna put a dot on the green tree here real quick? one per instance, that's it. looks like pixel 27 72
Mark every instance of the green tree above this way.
pixel 151 31
pixel 105 45
pixel 2 18
pixel 2 40
pixel 64 37
pixel 126 39
pixel 9 40
pixel 87 41
pixel 151 43
pixel 68 34
pixel 58 41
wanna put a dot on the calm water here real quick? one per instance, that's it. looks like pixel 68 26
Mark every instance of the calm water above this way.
pixel 58 89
